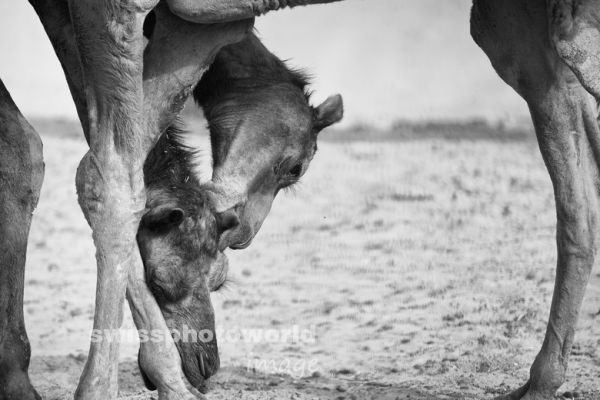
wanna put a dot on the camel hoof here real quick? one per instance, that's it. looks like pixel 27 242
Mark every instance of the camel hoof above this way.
pixel 181 396
pixel 187 392
pixel 524 393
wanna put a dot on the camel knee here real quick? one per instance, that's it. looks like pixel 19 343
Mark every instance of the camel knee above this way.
pixel 23 166
pixel 35 170
pixel 111 195
pixel 36 159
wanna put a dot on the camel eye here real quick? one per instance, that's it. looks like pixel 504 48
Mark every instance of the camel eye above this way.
pixel 296 171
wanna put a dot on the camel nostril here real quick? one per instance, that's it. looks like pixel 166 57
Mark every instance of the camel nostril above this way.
pixel 208 367
pixel 202 368
pixel 149 384
pixel 227 220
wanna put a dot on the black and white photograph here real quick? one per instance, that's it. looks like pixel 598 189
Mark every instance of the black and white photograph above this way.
pixel 299 199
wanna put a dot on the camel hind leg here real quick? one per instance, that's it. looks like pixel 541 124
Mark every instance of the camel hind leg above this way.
pixel 21 175
pixel 515 36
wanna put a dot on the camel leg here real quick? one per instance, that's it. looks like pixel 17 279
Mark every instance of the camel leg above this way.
pixel 110 178
pixel 514 35
pixel 21 176
pixel 174 61
pixel 567 131
pixel 161 359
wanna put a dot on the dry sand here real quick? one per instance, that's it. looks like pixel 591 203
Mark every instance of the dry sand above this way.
pixel 421 269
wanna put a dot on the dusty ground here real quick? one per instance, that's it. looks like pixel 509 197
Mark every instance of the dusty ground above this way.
pixel 415 270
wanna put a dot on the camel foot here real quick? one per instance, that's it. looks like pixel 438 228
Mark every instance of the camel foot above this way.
pixel 176 390
pixel 14 363
pixel 191 394
pixel 17 386
pixel 525 393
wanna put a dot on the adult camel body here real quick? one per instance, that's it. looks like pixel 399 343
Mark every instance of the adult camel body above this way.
pixel 547 50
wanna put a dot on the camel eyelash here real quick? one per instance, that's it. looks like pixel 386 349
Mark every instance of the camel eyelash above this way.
pixel 293 188
pixel 225 285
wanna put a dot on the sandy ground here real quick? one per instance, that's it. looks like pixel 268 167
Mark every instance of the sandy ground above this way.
pixel 412 270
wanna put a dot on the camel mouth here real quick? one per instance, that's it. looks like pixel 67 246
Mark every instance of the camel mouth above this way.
pixel 236 239
pixel 199 357
pixel 242 246
pixel 183 295
pixel 199 363
pixel 192 326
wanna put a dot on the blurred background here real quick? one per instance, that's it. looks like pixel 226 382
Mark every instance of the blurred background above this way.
pixel 392 60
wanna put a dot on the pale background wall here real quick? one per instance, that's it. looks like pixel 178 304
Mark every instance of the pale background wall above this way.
pixel 391 59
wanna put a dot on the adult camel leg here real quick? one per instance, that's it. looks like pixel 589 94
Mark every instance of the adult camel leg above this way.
pixel 162 359
pixel 131 95
pixel 515 37
pixel 568 134
pixel 110 178
pixel 174 61
pixel 21 176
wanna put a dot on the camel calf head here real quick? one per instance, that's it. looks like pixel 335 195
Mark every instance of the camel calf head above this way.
pixel 263 133
pixel 177 239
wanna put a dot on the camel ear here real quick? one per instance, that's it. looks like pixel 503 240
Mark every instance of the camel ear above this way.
pixel 329 112
pixel 163 217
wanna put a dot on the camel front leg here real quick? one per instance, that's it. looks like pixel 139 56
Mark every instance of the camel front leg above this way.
pixel 110 178
pixel 21 175
pixel 217 11
pixel 514 35
pixel 567 133
pixel 161 358
pixel 174 61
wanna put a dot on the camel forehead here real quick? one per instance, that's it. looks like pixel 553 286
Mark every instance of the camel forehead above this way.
pixel 287 104
pixel 277 128
pixel 284 119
